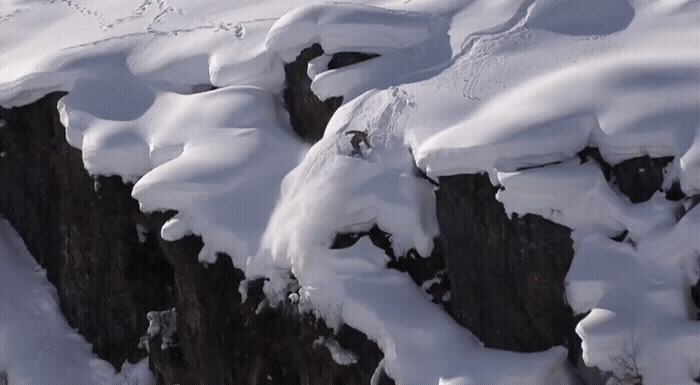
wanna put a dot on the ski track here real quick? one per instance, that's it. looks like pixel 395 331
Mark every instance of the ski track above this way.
pixel 478 48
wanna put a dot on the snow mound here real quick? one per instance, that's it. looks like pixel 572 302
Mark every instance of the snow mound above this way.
pixel 223 180
pixel 346 27
pixel 581 17
pixel 551 118
pixel 409 44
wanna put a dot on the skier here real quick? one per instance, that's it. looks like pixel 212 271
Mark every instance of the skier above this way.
pixel 357 138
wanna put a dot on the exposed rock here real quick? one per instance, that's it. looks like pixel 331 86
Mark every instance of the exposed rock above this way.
pixel 225 341
pixel 507 274
pixel 307 113
pixel 83 231
pixel 593 154
pixel 675 193
pixel 640 178
pixel 428 272
pixel 695 295
pixel 344 59
pixel 111 267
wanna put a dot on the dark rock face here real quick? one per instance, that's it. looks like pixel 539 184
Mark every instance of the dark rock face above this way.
pixel 82 230
pixel 507 275
pixel 223 341
pixel 695 295
pixel 639 178
pixel 307 113
pixel 421 269
pixel 344 59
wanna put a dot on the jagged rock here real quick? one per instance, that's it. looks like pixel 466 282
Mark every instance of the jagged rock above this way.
pixel 83 231
pixel 427 272
pixel 225 341
pixel 110 272
pixel 640 178
pixel 307 113
pixel 507 274
pixel 695 295
pixel 344 59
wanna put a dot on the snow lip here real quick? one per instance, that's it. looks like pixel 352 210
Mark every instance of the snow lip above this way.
pixel 346 27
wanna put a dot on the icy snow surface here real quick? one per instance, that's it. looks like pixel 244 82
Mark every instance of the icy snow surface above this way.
pixel 466 86
pixel 37 346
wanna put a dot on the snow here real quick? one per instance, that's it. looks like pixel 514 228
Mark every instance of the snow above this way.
pixel 459 87
pixel 544 126
pixel 37 346
pixel 339 355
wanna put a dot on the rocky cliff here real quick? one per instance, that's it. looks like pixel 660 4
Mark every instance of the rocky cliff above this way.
pixel 111 267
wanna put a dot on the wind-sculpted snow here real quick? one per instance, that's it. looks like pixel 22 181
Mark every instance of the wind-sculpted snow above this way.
pixel 408 44
pixel 627 106
pixel 636 290
pixel 222 180
pixel 534 84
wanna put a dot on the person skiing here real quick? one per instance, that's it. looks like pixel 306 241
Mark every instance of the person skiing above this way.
pixel 357 138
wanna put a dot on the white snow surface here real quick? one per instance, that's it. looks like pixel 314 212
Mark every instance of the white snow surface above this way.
pixel 466 86
pixel 37 346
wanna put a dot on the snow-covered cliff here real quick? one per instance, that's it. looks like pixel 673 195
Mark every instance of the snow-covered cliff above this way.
pixel 538 157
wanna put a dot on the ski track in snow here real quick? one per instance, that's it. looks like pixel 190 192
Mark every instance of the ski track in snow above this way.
pixel 478 48
pixel 163 9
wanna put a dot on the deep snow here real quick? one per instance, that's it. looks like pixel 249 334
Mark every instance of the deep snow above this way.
pixel 467 86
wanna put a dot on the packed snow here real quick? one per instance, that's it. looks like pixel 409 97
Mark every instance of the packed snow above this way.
pixel 37 346
pixel 459 87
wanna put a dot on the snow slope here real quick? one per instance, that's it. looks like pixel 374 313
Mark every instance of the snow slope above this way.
pixel 37 346
pixel 466 86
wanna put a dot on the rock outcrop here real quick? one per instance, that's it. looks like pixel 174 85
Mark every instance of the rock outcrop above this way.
pixel 308 114
pixel 507 274
pixel 111 267
pixel 640 178
pixel 83 230
pixel 223 340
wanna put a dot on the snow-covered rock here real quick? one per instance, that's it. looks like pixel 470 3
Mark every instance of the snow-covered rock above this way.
pixel 464 87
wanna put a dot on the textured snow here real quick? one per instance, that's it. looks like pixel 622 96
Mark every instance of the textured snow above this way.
pixel 37 346
pixel 545 125
pixel 462 86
